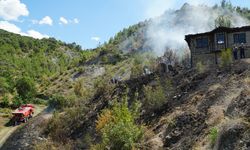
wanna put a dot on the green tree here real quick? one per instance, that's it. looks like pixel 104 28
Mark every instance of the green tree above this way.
pixel 154 96
pixel 17 101
pixel 223 21
pixel 118 129
pixel 226 57
pixel 26 88
pixel 4 86
pixel 227 5
pixel 5 101
pixel 60 102
pixel 223 3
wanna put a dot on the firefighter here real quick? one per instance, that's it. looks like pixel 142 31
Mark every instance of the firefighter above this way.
pixel 235 52
pixel 242 51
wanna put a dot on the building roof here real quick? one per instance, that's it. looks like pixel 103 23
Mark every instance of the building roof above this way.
pixel 216 30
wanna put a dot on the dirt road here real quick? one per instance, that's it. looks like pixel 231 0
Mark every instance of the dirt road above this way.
pixel 7 131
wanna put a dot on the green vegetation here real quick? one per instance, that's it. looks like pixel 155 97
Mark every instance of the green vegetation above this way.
pixel 154 96
pixel 59 102
pixel 60 126
pixel 29 67
pixel 226 58
pixel 117 128
pixel 84 91
pixel 244 12
pixel 26 88
pixel 142 60
pixel 26 63
pixel 200 67
pixel 223 21
pixel 213 135
pixel 5 102
pixel 17 101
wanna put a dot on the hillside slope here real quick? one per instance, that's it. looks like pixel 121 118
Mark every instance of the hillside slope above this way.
pixel 206 110
pixel 22 56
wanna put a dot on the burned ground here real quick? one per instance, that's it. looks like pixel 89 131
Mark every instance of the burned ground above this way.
pixel 196 104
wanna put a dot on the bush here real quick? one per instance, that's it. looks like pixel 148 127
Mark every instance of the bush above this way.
pixel 226 58
pixel 136 70
pixel 104 59
pixel 154 96
pixel 200 67
pixel 80 90
pixel 118 129
pixel 39 101
pixel 101 85
pixel 5 102
pixel 137 67
pixel 26 88
pixel 59 102
pixel 4 86
pixel 17 102
pixel 213 134
pixel 61 125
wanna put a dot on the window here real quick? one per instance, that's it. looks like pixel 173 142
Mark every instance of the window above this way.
pixel 240 38
pixel 202 42
pixel 220 38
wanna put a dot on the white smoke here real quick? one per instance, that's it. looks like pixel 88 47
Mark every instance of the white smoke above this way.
pixel 169 29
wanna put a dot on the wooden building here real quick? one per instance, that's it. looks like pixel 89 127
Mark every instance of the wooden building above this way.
pixel 207 47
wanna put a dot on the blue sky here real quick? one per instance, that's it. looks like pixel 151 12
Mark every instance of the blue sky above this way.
pixel 86 22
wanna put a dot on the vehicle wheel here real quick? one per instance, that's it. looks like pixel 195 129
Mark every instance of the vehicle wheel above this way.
pixel 15 123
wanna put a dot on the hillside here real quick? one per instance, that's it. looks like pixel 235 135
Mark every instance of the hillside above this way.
pixel 118 96
pixel 199 111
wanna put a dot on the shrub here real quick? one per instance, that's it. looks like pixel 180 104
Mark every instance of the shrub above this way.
pixel 101 85
pixel 39 101
pixel 26 88
pixel 17 102
pixel 118 129
pixel 200 67
pixel 213 134
pixel 137 67
pixel 58 102
pixel 226 58
pixel 136 70
pixel 80 90
pixel 61 125
pixel 222 21
pixel 104 59
pixel 5 102
pixel 154 96
pixel 4 86
pixel 103 119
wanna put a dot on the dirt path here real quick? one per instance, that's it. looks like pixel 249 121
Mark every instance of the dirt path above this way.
pixel 7 131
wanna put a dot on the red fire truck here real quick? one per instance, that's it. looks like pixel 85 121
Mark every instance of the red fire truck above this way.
pixel 23 113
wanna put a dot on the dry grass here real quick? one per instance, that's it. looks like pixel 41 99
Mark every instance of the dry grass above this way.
pixel 216 115
pixel 215 87
pixel 48 145
pixel 169 120
pixel 247 81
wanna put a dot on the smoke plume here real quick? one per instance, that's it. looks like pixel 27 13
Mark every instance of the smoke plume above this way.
pixel 169 29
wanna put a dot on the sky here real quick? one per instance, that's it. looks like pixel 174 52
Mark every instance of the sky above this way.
pixel 86 22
